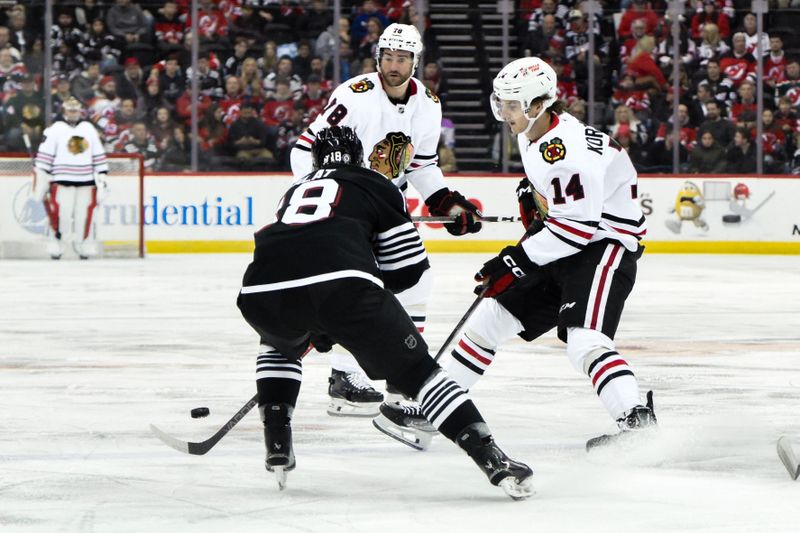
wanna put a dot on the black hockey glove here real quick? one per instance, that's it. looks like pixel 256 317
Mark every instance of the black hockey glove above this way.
pixel 528 211
pixel 447 203
pixel 499 273
pixel 322 343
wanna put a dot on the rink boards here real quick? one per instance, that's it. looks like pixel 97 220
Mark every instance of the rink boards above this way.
pixel 217 212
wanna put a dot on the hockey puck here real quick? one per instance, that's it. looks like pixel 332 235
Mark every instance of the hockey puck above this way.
pixel 731 219
pixel 200 412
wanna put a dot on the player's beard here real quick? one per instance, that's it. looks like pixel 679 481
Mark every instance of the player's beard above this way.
pixel 395 78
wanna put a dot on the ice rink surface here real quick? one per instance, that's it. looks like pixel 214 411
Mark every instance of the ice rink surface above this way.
pixel 92 352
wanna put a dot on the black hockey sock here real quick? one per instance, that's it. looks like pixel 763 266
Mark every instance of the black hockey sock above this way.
pixel 277 391
pixel 464 415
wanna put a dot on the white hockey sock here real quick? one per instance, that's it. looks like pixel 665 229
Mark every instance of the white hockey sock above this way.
pixel 613 381
pixel 271 364
pixel 467 362
pixel 344 362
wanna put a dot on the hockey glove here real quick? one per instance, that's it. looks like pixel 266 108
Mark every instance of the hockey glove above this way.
pixel 499 273
pixel 42 184
pixel 528 211
pixel 101 183
pixel 447 203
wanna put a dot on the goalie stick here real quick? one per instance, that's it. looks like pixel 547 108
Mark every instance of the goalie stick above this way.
pixel 203 447
pixel 451 219
pixel 788 458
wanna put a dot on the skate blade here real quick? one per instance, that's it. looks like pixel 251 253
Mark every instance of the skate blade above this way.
pixel 624 439
pixel 517 490
pixel 280 476
pixel 788 458
pixel 419 440
pixel 339 407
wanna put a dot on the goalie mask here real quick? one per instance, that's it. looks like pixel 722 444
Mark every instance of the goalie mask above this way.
pixel 400 37
pixel 519 84
pixel 72 110
pixel 337 145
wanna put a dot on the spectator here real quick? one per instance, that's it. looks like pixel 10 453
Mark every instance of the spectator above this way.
pixel 636 98
pixel 268 62
pixel 743 112
pixel 430 43
pixel 688 134
pixel 638 30
pixel 86 85
pixel 169 30
pixel 278 108
pixel 708 157
pixel 127 21
pixel 318 69
pixel 234 62
pixel 369 9
pixel 65 31
pixel 171 80
pixel 326 41
pixel 88 11
pixel 660 157
pixel 566 87
pixel 211 23
pixel 67 60
pixel 163 127
pixel 22 37
pixel 774 63
pixel 549 8
pixel 115 125
pixel 315 20
pixel 34 60
pixel 131 83
pixel 10 73
pixel 720 86
pixel 638 10
pixel 284 69
pixel 624 118
pixel 789 87
pixel 24 115
pixel 209 79
pixel 106 102
pixel 302 61
pixel 697 108
pixel 177 154
pixel 434 79
pixel 750 26
pixel 314 98
pixel 787 118
pixel 369 43
pixel 61 94
pixel 141 142
pixel 252 81
pixel 624 137
pixel 720 128
pixel 710 16
pixel 247 25
pixel 152 99
pixel 642 66
pixel 231 103
pixel 687 48
pixel 774 144
pixel 5 43
pixel 249 136
pixel 712 45
pixel 738 65
pixel 576 49
pixel 578 110
pixel 102 44
pixel 368 66
pixel 212 132
pixel 537 42
pixel 288 132
pixel 741 155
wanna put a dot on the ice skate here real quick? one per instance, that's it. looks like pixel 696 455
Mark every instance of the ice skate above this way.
pixel 405 422
pixel 513 477
pixel 640 418
pixel 278 440
pixel 54 248
pixel 788 458
pixel 352 395
pixel 85 249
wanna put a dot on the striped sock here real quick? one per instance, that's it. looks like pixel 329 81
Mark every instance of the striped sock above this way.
pixel 614 382
pixel 468 361
pixel 278 379
pixel 446 405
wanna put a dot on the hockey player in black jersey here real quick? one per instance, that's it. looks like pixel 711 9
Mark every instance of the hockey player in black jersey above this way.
pixel 324 273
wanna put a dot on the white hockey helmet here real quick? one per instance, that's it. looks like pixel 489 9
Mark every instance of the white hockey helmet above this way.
pixel 400 37
pixel 524 80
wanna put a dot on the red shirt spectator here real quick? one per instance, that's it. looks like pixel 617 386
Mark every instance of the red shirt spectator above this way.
pixel 712 15
pixel 211 23
pixel 638 10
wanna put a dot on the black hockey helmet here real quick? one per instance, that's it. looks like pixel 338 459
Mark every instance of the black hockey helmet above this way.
pixel 337 145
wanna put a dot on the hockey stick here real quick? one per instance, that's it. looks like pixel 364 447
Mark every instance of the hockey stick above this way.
pixel 203 447
pixel 451 219
pixel 788 458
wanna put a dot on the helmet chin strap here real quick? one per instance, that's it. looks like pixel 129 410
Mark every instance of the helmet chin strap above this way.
pixel 532 120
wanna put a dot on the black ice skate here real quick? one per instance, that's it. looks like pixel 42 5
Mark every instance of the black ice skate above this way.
pixel 278 440
pixel 641 417
pixel 406 423
pixel 513 477
pixel 352 395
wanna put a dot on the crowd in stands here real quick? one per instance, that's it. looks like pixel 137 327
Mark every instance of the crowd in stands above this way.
pixel 633 65
pixel 264 72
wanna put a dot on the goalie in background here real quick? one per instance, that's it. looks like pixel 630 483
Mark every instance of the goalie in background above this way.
pixel 71 171
pixel 326 272
pixel 689 207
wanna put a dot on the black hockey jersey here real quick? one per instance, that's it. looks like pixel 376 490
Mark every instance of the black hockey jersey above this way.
pixel 338 222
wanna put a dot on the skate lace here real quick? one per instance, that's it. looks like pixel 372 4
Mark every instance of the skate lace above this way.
pixel 411 409
pixel 358 380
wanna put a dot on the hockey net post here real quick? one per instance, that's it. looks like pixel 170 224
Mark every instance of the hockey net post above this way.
pixel 118 220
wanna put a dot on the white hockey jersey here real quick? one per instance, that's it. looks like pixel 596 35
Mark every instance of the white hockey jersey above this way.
pixel 362 104
pixel 71 153
pixel 587 184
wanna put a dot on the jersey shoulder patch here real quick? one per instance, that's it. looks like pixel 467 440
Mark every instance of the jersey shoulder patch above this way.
pixel 553 150
pixel 432 95
pixel 361 86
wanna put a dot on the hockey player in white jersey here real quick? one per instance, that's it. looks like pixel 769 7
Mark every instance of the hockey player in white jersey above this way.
pixel 71 168
pixel 379 106
pixel 576 264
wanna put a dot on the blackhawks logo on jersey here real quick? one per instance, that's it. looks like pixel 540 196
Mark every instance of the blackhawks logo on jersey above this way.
pixel 391 155
pixel 432 95
pixel 77 145
pixel 553 151
pixel 362 86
